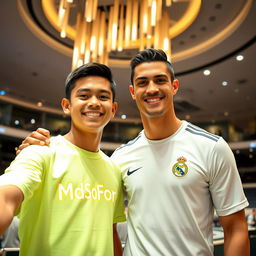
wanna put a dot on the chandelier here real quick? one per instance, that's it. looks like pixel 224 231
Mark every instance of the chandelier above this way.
pixel 105 26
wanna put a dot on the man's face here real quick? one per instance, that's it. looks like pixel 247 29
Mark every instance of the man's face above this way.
pixel 153 89
pixel 91 104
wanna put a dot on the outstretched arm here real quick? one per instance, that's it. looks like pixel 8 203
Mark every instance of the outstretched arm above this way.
pixel 236 242
pixel 11 198
pixel 39 137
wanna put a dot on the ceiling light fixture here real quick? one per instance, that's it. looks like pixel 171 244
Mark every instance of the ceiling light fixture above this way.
pixel 2 130
pixel 102 27
pixel 252 145
pixel 239 57
pixel 32 121
pixel 224 83
pixel 2 92
pixel 207 72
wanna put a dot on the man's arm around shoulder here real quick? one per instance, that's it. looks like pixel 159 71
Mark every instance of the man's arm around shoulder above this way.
pixel 236 241
pixel 11 198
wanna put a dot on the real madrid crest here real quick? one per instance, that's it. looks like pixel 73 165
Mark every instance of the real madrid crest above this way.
pixel 180 169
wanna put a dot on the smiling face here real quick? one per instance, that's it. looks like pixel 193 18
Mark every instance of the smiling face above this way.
pixel 91 104
pixel 153 89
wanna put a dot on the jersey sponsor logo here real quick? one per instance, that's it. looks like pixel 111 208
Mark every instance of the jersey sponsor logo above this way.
pixel 180 169
pixel 86 192
pixel 131 172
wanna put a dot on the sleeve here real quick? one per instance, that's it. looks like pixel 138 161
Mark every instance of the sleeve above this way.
pixel 26 171
pixel 225 183
pixel 119 215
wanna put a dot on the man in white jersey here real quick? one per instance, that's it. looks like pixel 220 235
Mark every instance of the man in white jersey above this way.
pixel 175 174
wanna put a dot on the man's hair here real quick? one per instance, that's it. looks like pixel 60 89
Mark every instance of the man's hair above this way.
pixel 89 69
pixel 150 55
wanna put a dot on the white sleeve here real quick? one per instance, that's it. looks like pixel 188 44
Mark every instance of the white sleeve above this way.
pixel 225 183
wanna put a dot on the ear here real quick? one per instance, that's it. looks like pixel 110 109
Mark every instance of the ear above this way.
pixel 114 108
pixel 175 85
pixel 131 89
pixel 65 103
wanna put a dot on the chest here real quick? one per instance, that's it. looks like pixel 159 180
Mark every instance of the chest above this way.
pixel 170 168
pixel 78 178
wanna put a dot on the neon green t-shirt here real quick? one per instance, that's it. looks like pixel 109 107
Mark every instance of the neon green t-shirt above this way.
pixel 72 197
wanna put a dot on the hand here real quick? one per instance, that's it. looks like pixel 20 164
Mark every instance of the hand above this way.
pixel 39 137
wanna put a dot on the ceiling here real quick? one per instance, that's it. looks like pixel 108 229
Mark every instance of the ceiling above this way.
pixel 33 70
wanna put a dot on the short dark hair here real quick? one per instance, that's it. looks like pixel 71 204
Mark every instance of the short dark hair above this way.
pixel 89 69
pixel 150 55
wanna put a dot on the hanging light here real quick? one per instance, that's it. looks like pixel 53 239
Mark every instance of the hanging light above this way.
pixel 121 25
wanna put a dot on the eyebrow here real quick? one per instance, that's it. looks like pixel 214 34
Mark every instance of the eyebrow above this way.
pixel 89 90
pixel 145 77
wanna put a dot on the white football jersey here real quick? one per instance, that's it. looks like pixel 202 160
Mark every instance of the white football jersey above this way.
pixel 173 186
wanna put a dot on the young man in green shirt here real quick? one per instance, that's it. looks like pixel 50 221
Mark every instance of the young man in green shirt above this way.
pixel 68 195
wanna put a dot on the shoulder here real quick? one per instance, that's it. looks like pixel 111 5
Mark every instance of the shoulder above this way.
pixel 206 140
pixel 111 166
pixel 130 145
pixel 36 152
pixel 201 134
pixel 222 150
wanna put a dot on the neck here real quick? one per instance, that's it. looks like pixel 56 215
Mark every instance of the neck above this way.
pixel 160 127
pixel 87 141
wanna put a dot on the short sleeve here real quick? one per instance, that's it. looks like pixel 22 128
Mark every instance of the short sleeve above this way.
pixel 225 183
pixel 119 215
pixel 25 171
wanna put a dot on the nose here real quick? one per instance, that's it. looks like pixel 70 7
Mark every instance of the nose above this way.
pixel 152 87
pixel 94 102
